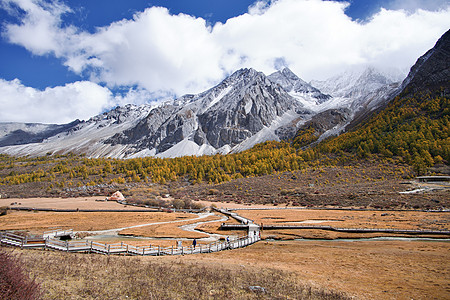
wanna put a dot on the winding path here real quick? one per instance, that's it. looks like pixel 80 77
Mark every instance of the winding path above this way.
pixel 115 231
pixel 11 239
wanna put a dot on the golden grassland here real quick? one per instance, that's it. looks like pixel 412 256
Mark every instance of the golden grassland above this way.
pixel 417 220
pixel 90 276
pixel 307 269
pixel 38 222
pixel 66 203
pixel 170 230
pixel 364 270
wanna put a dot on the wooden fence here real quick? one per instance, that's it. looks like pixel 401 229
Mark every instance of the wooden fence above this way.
pixel 330 228
pixel 27 242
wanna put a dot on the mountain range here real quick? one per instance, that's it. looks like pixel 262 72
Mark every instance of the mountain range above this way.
pixel 243 110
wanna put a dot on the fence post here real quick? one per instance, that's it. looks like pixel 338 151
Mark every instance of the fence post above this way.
pixel 67 246
pixel 90 250
pixel 209 247
pixel 182 250
pixel 127 248
pixel 200 248
pixel 172 249
pixel 109 248
pixel 159 250
pixel 143 250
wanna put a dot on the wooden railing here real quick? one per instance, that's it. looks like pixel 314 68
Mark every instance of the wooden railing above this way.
pixel 10 239
pixel 58 233
pixel 330 228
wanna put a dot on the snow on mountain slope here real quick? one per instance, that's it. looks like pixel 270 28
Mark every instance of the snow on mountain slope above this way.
pixel 24 133
pixel 360 90
pixel 355 83
pixel 244 109
pixel 305 93
pixel 269 133
pixel 87 137
pixel 214 121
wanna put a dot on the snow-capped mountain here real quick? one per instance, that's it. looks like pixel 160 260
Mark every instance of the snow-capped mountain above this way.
pixel 359 92
pixel 245 109
pixel 12 133
pixel 216 121
pixel 78 137
pixel 357 83
pixel 296 87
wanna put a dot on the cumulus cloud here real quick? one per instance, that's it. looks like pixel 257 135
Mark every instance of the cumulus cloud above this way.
pixel 183 54
pixel 160 53
pixel 62 104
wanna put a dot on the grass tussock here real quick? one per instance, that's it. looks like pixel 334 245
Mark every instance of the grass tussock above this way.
pixel 14 281
pixel 83 276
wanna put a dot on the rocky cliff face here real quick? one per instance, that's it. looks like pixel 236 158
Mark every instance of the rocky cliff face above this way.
pixel 431 72
pixel 296 87
pixel 220 118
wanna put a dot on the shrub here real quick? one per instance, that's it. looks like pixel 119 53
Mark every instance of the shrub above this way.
pixel 14 281
pixel 3 210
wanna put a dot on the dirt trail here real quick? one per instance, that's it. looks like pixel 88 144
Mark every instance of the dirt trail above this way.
pixel 115 231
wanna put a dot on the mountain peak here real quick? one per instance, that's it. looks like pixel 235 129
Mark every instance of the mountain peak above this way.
pixel 289 74
pixel 431 72
pixel 354 83
pixel 297 87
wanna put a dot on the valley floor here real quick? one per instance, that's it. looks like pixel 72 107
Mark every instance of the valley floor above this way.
pixel 363 270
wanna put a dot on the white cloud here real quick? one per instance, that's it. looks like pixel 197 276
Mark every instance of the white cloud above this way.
pixel 162 53
pixel 62 104
pixel 39 31
pixel 413 5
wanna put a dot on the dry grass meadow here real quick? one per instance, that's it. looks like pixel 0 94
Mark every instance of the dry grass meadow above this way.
pixel 364 269
pixel 170 230
pixel 38 222
pixel 87 276
pixel 286 269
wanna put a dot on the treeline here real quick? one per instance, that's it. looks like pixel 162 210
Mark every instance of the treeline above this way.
pixel 72 170
pixel 416 129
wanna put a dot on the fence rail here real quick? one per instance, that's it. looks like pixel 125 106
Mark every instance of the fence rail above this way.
pixel 353 230
pixel 10 239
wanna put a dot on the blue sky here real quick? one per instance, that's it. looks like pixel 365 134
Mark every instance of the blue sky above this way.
pixel 61 60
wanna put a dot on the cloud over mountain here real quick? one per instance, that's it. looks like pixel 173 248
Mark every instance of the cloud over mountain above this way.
pixel 165 53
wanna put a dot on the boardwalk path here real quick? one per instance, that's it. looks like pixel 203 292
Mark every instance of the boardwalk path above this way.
pixel 39 242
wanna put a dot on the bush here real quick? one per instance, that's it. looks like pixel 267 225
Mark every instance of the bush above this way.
pixel 14 281
pixel 3 210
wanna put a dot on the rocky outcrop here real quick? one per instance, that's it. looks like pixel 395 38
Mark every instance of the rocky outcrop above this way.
pixel 325 124
pixel 294 85
pixel 225 115
pixel 431 72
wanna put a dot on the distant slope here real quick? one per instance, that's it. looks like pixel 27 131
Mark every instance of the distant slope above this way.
pixel 24 133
